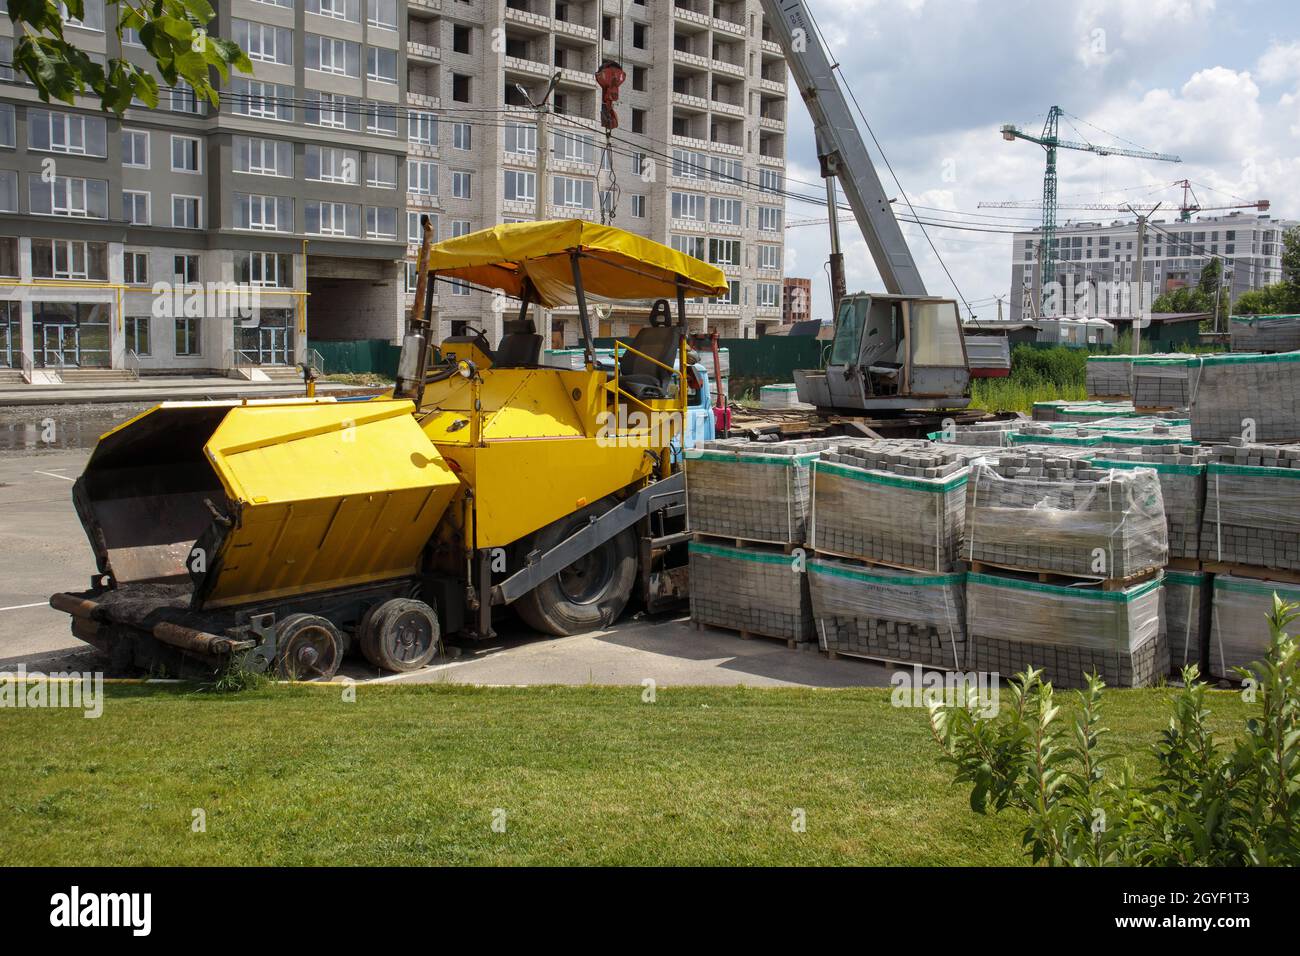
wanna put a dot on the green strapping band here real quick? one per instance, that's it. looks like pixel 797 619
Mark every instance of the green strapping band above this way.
pixel 1190 578
pixel 1110 358
pixel 915 579
pixel 934 486
pixel 1123 597
pixel 1127 439
pixel 1246 586
pixel 1254 471
pixel 1019 438
pixel 1160 468
pixel 1250 359
pixel 722 551
pixel 1252 319
pixel 745 458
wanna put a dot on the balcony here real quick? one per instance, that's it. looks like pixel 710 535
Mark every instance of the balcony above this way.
pixel 433 6
pixel 576 30
pixel 774 161
pixel 691 17
pixel 576 79
pixel 726 26
pixel 423 101
pixel 690 59
pixel 776 87
pixel 529 67
pixel 729 109
pixel 731 69
pixel 690 102
pixel 571 212
pixel 690 142
pixel 533 22
pixel 772 48
pixel 423 52
pixel 772 124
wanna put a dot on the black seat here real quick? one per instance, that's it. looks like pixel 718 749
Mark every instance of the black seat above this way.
pixel 641 377
pixel 520 346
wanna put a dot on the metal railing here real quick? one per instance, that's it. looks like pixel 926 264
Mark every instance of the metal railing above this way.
pixel 59 365
pixel 131 362
pixel 235 358
pixel 26 366
pixel 314 360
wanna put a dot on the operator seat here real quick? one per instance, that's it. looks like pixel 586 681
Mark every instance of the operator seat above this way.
pixel 659 340
pixel 520 346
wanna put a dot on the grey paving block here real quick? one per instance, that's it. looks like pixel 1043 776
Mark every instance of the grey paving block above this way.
pixel 758 590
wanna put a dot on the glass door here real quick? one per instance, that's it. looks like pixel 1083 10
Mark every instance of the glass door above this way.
pixel 60 345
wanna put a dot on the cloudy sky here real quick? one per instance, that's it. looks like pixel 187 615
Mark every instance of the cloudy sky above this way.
pixel 1217 83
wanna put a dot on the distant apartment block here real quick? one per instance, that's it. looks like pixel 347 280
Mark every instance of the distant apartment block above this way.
pixel 796 300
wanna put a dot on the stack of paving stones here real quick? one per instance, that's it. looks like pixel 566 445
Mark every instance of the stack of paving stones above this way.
pixel 1252 506
pixel 996 434
pixel 1080 413
pixel 895 616
pixel 1013 624
pixel 755 491
pixel 1108 376
pixel 1240 634
pixel 1165 381
pixel 1265 333
pixel 1181 472
pixel 898 503
pixel 755 590
pixel 1182 619
pixel 1043 513
pixel 1247 394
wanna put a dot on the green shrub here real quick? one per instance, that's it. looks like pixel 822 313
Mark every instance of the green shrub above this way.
pixel 1205 804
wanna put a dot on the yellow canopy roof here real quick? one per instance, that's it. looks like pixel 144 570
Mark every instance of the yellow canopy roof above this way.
pixel 615 264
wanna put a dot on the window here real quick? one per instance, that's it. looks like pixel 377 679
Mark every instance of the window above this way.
pixel 422 128
pixel 381 64
pixel 185 269
pixel 333 219
pixel 574 193
pixel 333 111
pixel 135 148
pixel 521 139
pixel 462 184
pixel 769 295
pixel 263 42
pixel 185 154
pixel 689 164
pixel 733 293
pixel 688 245
pixel 460 38
pixel 412 276
pixel 135 207
pixel 639 164
pixel 724 211
pixel 273 269
pixel 69 259
pixel 769 257
pixel 260 100
pixel 381 170
pixel 459 288
pixel 336 9
pixel 183 99
pixel 639 33
pixel 54 132
pixel 638 121
pixel 92 15
pixel 726 170
pixel 332 55
pixel 461 136
pixel 185 212
pixel 638 78
pixel 131 37
pixel 381 222
pixel 381 118
pixel 8 124
pixel 413 233
pixel 688 206
pixel 187 336
pixel 460 88
pixel 421 177
pixel 8 192
pixel 328 164
pixel 67 196
pixel 724 252
pixel 638 207
pixel 135 268
pixel 572 147
pixel 607 28
pixel 263 213
pixel 520 186
pixel 769 219
pixel 459 227
pixel 137 334
pixel 262 157
pixel 382 14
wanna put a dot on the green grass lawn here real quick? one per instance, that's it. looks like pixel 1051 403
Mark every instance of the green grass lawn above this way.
pixel 586 775
pixel 1008 395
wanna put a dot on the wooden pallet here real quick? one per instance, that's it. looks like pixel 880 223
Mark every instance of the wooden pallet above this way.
pixel 1278 575
pixel 867 564
pixel 787 547
pixel 1155 410
pixel 745 635
pixel 1054 577
pixel 887 661
pixel 1183 564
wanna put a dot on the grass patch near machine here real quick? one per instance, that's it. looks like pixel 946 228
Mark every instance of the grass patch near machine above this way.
pixel 571 775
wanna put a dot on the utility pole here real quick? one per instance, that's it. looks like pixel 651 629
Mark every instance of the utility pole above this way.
pixel 999 298
pixel 1141 241
pixel 543 121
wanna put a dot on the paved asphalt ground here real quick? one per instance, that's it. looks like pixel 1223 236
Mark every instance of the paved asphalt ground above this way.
pixel 44 550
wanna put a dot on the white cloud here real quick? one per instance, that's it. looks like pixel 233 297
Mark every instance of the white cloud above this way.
pixel 1280 63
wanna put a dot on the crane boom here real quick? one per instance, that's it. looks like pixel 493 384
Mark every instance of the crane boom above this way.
pixel 840 146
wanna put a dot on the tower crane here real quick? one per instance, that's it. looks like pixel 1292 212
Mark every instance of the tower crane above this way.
pixel 1051 142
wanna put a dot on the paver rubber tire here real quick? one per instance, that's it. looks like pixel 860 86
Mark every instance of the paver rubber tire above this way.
pixel 361 637
pixel 590 593
pixel 308 647
pixel 401 635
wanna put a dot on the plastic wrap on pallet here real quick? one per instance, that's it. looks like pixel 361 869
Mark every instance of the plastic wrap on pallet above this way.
pixel 761 591
pixel 1107 376
pixel 1252 511
pixel 879 516
pixel 758 492
pixel 1165 381
pixel 1064 517
pixel 897 616
pixel 1239 632
pixel 1012 624
pixel 1241 394
pixel 1265 333
pixel 1182 489
pixel 1182 618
